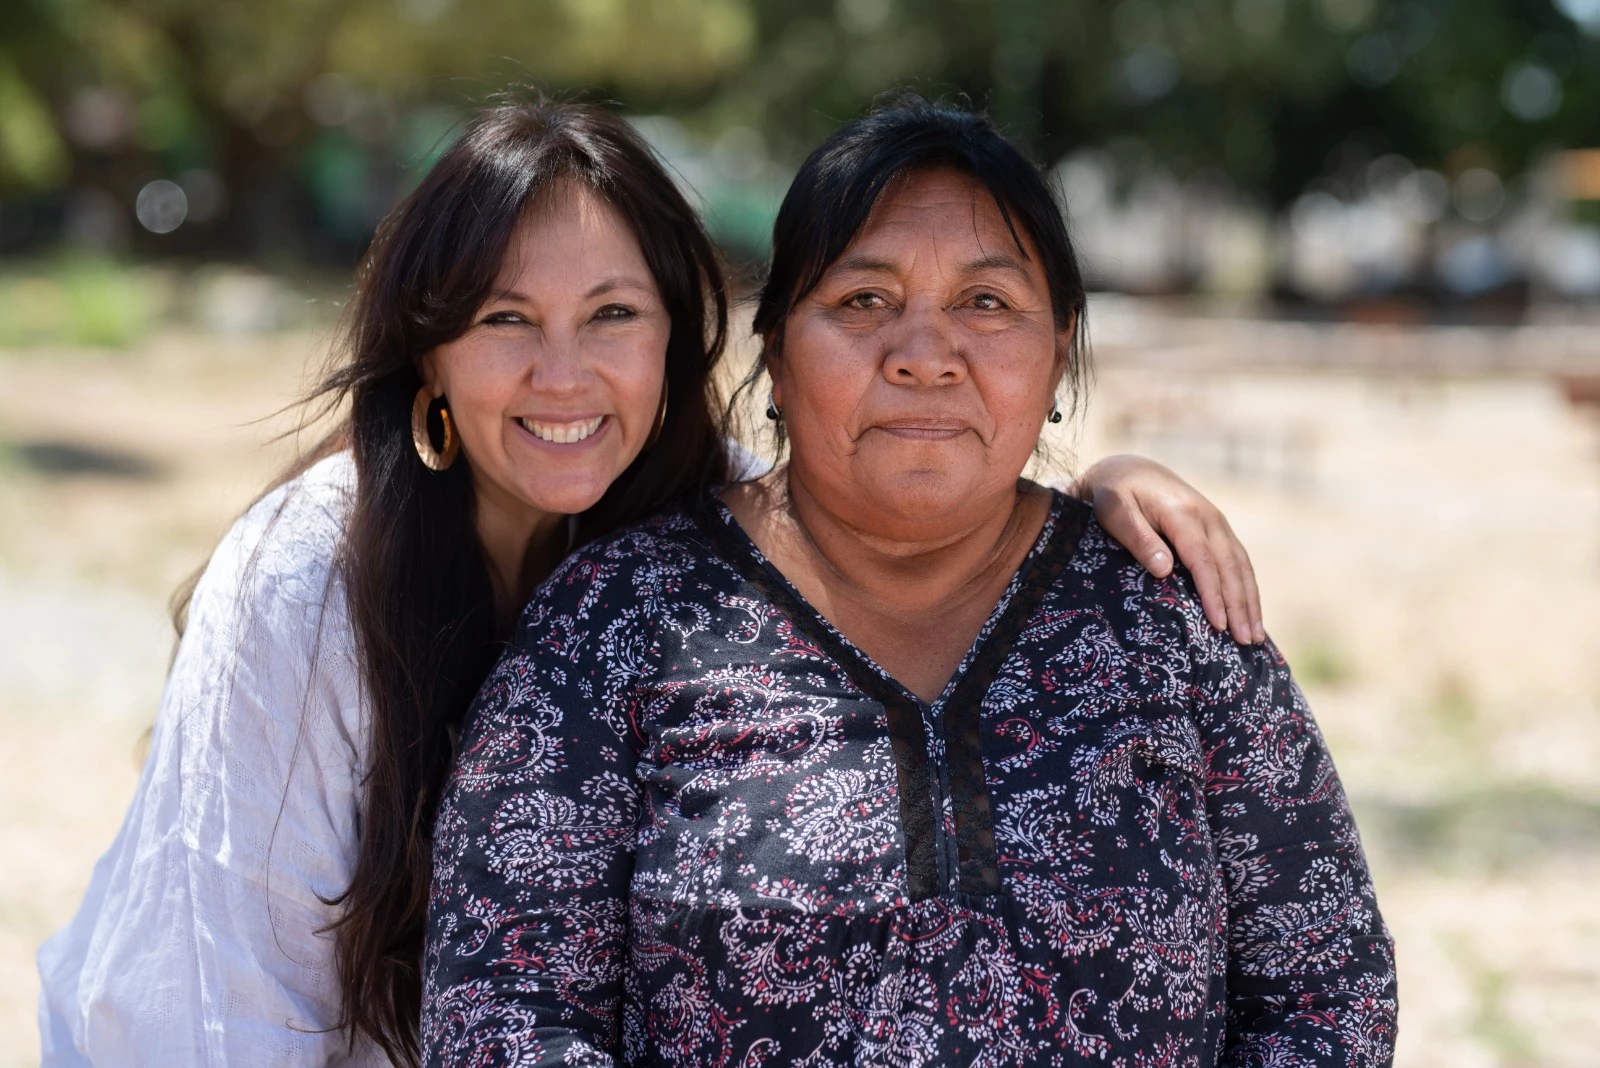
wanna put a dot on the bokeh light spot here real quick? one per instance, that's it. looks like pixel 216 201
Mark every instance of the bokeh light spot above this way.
pixel 1531 91
pixel 161 206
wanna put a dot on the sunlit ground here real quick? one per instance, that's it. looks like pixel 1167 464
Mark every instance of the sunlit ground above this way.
pixel 1428 543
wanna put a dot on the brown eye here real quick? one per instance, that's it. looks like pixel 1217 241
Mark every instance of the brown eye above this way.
pixel 615 313
pixel 988 302
pixel 864 301
pixel 503 318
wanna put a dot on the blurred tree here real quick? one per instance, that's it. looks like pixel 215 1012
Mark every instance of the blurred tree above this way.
pixel 243 90
pixel 1273 93
pixel 31 152
pixel 306 112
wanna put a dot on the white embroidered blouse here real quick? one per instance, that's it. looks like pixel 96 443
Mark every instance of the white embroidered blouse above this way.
pixel 199 940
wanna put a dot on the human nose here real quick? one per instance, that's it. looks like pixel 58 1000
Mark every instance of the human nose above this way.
pixel 923 351
pixel 557 365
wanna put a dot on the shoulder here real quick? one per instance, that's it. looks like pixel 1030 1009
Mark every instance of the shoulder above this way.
pixel 262 718
pixel 1101 572
pixel 597 622
pixel 626 570
pixel 587 638
pixel 286 545
pixel 1162 618
pixel 270 599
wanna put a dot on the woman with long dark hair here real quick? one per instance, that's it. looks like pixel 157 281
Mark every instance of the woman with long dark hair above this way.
pixel 529 364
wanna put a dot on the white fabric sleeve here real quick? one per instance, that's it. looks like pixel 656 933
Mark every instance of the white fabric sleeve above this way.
pixel 199 940
pixel 745 465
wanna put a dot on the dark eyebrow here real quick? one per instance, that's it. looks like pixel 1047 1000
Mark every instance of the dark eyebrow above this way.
pixel 862 263
pixel 603 286
pixel 995 262
pixel 608 284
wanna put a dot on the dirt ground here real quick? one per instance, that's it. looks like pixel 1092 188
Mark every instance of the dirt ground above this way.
pixel 1428 543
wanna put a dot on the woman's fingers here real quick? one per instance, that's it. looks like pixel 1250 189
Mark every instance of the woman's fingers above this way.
pixel 1235 581
pixel 1235 590
pixel 1252 596
pixel 1124 520
pixel 1223 576
pixel 1199 556
pixel 1139 502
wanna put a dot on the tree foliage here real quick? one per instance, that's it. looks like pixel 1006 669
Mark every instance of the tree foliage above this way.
pixel 1268 94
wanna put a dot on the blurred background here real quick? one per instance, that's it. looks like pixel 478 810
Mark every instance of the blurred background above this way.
pixel 1346 262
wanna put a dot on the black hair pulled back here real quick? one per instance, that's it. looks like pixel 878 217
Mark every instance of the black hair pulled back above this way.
pixel 833 194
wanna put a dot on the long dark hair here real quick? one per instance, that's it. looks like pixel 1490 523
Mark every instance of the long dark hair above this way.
pixel 414 574
pixel 835 189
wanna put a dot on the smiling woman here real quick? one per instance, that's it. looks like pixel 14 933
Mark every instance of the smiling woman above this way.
pixel 557 382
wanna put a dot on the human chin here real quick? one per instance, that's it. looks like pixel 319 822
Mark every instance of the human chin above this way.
pixel 915 491
pixel 570 483
pixel 917 455
pixel 566 493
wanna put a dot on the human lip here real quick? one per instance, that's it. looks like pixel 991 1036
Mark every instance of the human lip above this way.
pixel 561 433
pixel 925 427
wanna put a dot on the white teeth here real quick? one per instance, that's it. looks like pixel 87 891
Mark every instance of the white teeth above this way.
pixel 562 433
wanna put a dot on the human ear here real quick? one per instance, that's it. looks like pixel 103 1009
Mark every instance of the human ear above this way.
pixel 428 371
pixel 1064 338
pixel 771 358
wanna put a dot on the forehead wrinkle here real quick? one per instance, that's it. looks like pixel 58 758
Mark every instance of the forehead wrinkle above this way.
pixel 862 263
pixel 605 285
pixel 890 213
pixel 567 200
pixel 995 262
pixel 1007 217
pixel 510 293
pixel 986 260
pixel 977 203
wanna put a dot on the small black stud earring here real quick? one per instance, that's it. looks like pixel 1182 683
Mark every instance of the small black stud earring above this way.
pixel 1055 413
pixel 773 411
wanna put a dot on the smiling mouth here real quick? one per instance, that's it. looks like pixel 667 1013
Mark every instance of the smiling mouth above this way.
pixel 562 433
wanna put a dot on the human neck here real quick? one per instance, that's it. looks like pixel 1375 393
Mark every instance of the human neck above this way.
pixel 913 597
pixel 522 545
pixel 910 569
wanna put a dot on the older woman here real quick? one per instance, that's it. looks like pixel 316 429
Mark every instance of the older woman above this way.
pixel 891 757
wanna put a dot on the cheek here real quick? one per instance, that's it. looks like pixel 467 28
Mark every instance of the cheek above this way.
pixel 826 373
pixel 634 370
pixel 480 390
pixel 1017 398
pixel 1016 373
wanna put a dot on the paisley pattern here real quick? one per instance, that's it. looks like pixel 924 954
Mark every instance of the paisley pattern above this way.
pixel 692 825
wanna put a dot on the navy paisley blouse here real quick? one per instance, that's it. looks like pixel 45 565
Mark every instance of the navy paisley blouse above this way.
pixel 692 824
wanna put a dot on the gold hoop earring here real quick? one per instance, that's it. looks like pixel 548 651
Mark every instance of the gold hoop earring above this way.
pixel 442 458
pixel 661 419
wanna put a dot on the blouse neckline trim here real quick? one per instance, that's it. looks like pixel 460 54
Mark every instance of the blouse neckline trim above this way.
pixel 1057 541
